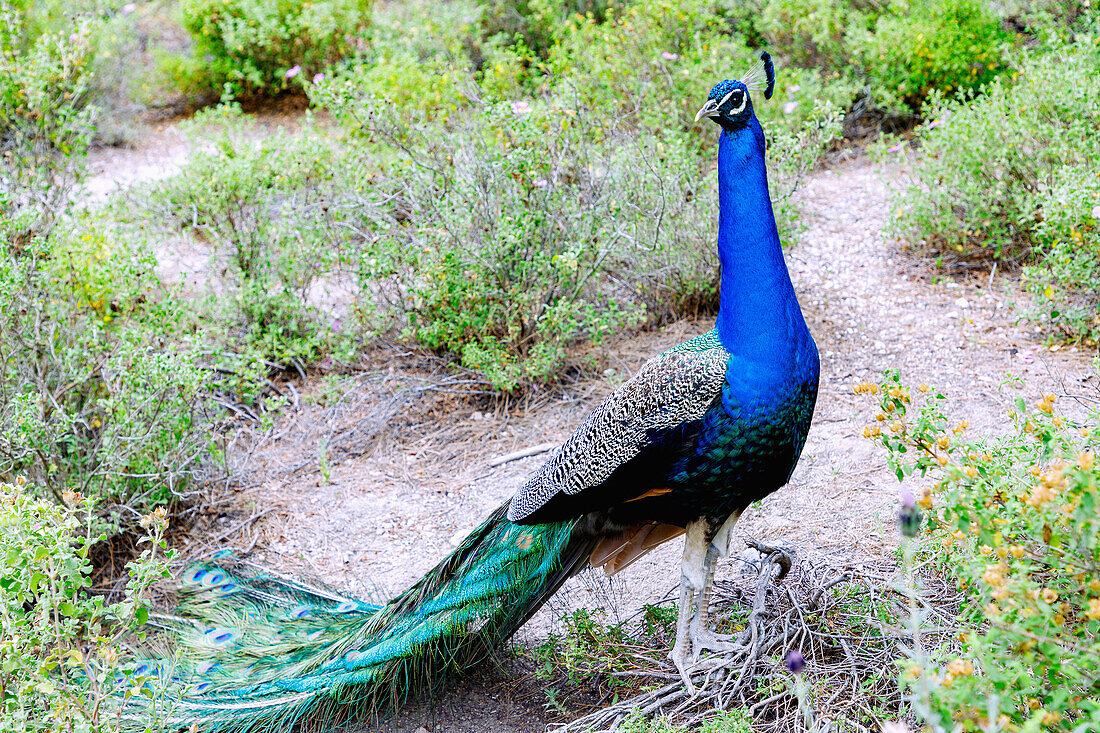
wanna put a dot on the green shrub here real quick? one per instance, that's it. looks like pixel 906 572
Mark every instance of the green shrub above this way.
pixel 1014 519
pixel 45 125
pixel 60 646
pixel 495 258
pixel 1051 19
pixel 90 398
pixel 263 207
pixel 812 32
pixel 1065 281
pixel 925 46
pixel 265 46
pixel 642 67
pixel 1010 174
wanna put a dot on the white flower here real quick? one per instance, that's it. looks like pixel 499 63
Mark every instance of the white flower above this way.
pixel 521 108
pixel 1096 212
pixel 293 71
pixel 669 56
pixel 318 78
pixel 789 107
pixel 541 183
pixel 129 8
pixel 795 88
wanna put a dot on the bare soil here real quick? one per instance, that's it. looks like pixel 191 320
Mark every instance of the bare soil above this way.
pixel 368 481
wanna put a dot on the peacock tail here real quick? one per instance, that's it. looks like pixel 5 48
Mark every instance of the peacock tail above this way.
pixel 254 649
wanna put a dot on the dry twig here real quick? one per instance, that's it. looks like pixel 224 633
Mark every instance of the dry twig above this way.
pixel 831 615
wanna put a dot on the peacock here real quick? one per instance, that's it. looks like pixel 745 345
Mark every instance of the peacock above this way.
pixel 697 435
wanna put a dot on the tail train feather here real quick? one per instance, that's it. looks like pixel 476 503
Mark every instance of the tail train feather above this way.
pixel 249 648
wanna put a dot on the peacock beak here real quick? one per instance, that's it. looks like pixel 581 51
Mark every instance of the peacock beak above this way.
pixel 709 110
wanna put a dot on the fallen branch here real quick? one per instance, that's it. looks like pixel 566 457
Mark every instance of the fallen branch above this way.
pixel 534 450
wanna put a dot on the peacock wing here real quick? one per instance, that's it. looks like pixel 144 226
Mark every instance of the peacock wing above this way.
pixel 640 426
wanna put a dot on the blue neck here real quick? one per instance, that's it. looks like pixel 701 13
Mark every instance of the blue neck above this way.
pixel 759 318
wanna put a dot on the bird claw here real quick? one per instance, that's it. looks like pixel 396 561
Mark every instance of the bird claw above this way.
pixel 681 657
pixel 720 643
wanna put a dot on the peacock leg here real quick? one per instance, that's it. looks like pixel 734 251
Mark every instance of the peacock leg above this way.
pixel 681 651
pixel 692 582
pixel 702 637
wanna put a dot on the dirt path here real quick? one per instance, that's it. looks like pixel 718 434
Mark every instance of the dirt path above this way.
pixel 379 521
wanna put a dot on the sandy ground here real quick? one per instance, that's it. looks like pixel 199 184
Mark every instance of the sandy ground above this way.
pixel 374 514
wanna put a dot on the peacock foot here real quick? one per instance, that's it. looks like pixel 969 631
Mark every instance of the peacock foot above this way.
pixel 681 656
pixel 703 638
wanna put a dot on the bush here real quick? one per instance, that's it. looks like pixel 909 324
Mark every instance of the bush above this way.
pixel 1015 521
pixel 1065 281
pixel 45 126
pixel 1008 175
pixel 812 32
pixel 91 400
pixel 260 47
pixel 494 257
pixel 265 209
pixel 942 46
pixel 60 646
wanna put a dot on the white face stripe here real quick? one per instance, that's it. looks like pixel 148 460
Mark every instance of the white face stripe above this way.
pixel 744 101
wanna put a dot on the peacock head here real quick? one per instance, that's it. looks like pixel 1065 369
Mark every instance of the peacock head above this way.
pixel 729 104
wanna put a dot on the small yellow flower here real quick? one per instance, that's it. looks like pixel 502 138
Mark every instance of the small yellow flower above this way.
pixel 960 667
pixel 1093 614
pixel 1085 460
pixel 1033 703
pixel 1050 595
pixel 963 425
pixel 923 388
pixel 925 500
